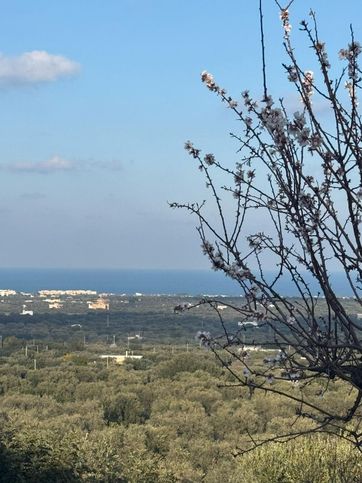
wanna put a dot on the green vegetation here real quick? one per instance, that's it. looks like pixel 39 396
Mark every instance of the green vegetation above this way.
pixel 151 316
pixel 173 416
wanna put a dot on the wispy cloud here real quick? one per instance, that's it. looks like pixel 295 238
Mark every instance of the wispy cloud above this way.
pixel 52 165
pixel 292 103
pixel 35 67
pixel 57 164
pixel 113 165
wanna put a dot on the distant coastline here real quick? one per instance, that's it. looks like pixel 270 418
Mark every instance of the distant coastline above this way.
pixel 148 282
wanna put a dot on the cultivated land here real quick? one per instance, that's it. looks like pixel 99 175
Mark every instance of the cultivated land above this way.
pixel 70 318
pixel 173 415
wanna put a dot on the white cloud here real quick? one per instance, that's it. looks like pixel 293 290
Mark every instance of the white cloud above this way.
pixel 52 165
pixel 58 164
pixel 35 67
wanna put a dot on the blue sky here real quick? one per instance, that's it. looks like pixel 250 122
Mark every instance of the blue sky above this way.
pixel 97 99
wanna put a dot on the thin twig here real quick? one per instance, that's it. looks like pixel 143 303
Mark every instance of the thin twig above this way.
pixel 263 48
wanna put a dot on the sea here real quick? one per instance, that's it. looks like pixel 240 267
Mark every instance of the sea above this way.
pixel 147 282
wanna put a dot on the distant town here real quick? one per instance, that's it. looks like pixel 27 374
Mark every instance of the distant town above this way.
pixel 27 303
pixel 80 301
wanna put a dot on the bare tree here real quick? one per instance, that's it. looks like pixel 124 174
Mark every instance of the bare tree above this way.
pixel 303 175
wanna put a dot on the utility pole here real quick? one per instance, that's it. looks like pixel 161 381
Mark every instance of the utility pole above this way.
pixel 26 351
pixel 34 364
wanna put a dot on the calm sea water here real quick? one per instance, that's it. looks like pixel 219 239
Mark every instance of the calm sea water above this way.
pixel 190 282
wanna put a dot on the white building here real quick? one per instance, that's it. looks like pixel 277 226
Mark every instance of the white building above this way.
pixel 6 292
pixel 120 359
pixel 99 304
pixel 26 312
pixel 57 293
pixel 55 305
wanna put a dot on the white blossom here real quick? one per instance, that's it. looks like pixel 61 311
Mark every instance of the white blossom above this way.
pixel 284 17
